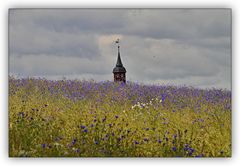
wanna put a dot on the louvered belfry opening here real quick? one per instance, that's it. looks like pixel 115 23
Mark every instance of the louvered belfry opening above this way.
pixel 119 71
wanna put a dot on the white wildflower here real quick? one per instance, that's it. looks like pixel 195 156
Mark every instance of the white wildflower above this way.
pixel 74 149
pixel 150 103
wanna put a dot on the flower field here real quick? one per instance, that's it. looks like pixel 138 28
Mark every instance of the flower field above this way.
pixel 72 118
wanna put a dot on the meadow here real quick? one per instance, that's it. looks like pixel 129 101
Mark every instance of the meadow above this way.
pixel 72 118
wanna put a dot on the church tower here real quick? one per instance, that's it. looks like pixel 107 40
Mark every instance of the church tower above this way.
pixel 119 72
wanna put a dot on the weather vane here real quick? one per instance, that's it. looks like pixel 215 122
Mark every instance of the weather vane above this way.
pixel 117 42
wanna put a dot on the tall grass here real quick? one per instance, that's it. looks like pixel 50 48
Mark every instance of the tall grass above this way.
pixel 106 119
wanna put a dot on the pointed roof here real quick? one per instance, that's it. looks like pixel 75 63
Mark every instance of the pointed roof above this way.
pixel 119 62
pixel 119 66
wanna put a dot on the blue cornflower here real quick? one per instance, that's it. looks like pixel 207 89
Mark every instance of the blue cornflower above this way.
pixel 43 145
pixel 74 141
pixel 191 151
pixel 163 98
pixel 186 147
pixel 136 142
pixel 200 155
pixel 174 136
pixel 85 130
pixel 78 150
pixel 201 120
pixel 104 119
pixel 116 116
pixel 145 139
pixel 159 141
pixel 174 148
pixel 21 114
pixel 96 142
pixel 83 127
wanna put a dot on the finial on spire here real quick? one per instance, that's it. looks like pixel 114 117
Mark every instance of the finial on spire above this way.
pixel 117 41
pixel 118 44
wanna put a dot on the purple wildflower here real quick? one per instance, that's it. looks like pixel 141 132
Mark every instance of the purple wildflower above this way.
pixel 104 119
pixel 174 148
pixel 74 141
pixel 96 142
pixel 83 127
pixel 44 146
pixel 145 139
pixel 136 142
pixel 21 114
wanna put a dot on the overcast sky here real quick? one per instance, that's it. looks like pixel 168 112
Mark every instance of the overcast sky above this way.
pixel 158 46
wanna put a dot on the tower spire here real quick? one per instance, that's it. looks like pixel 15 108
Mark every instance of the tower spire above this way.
pixel 119 71
pixel 119 62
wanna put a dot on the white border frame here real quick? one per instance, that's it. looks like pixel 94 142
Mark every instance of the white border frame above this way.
pixel 5 5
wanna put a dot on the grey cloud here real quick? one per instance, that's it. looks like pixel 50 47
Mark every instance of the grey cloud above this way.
pixel 71 20
pixel 190 46
pixel 53 65
pixel 32 40
pixel 169 60
pixel 60 32
pixel 177 24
